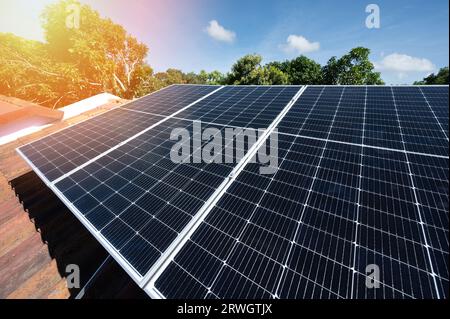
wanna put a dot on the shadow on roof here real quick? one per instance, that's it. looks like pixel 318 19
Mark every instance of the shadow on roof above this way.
pixel 69 242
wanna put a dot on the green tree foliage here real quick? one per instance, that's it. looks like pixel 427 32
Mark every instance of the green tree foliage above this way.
pixel 274 76
pixel 74 63
pixel 203 77
pixel 214 77
pixel 171 76
pixel 300 70
pixel 174 76
pixel 27 71
pixel 248 70
pixel 104 53
pixel 353 68
pixel 442 77
pixel 245 70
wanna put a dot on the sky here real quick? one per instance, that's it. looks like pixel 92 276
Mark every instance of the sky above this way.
pixel 411 42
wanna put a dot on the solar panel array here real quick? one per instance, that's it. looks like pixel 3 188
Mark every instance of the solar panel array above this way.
pixel 65 150
pixel 138 198
pixel 362 181
pixel 132 196
pixel 242 106
pixel 339 202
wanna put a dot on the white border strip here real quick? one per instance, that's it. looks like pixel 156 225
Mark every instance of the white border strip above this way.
pixel 158 268
pixel 132 137
pixel 83 290
pixel 364 145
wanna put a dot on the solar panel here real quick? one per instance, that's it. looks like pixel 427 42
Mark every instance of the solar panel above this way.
pixel 437 99
pixel 242 106
pixel 362 182
pixel 417 126
pixel 134 198
pixel 348 194
pixel 170 99
pixel 65 150
pixel 138 199
pixel 421 130
pixel 59 153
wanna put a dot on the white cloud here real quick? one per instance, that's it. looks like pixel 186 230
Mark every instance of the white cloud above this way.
pixel 300 44
pixel 219 33
pixel 403 63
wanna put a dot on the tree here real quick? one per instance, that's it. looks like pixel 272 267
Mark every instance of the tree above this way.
pixel 144 82
pixel 435 79
pixel 28 72
pixel 248 70
pixel 331 71
pixel 215 78
pixel 244 70
pixel 103 51
pixel 193 78
pixel 273 76
pixel 75 62
pixel 353 68
pixel 203 77
pixel 301 70
pixel 171 76
pixel 100 56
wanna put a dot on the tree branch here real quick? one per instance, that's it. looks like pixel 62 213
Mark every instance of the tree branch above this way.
pixel 120 82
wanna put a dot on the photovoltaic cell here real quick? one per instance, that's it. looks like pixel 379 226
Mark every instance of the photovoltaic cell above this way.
pixel 421 131
pixel 242 106
pixel 335 207
pixel 258 242
pixel 390 233
pixel 294 235
pixel 170 99
pixel 437 99
pixel 394 116
pixel 302 121
pixel 134 195
pixel 430 177
pixel 63 151
pixel 138 198
pixel 362 182
pixel 348 122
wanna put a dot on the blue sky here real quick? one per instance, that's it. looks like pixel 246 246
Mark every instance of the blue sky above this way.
pixel 411 42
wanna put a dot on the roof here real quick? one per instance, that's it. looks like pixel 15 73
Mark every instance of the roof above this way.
pixel 19 118
pixel 39 236
pixel 10 106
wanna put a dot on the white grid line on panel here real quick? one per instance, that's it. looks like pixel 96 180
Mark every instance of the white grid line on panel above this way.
pixel 434 114
pixel 309 194
pixel 232 250
pixel 355 244
pixel 433 274
pixel 154 274
pixel 133 137
pixel 365 145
